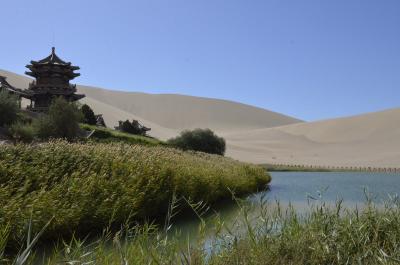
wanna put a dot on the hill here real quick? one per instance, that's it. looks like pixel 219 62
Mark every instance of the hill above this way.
pixel 169 114
pixel 371 139
pixel 253 134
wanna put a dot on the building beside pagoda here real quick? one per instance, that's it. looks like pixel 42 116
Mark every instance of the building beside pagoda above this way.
pixel 52 79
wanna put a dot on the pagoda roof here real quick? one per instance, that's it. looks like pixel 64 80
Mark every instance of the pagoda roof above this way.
pixel 53 59
pixel 5 85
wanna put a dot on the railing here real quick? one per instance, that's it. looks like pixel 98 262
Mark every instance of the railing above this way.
pixel 37 109
pixel 71 87
pixel 334 168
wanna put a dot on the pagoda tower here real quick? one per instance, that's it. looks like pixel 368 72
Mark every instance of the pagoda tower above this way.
pixel 52 80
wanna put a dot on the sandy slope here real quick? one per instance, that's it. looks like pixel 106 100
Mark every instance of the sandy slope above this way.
pixel 367 140
pixel 254 134
pixel 174 112
pixel 182 112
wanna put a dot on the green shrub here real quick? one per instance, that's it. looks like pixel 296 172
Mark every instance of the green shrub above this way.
pixel 22 132
pixel 62 121
pixel 8 108
pixel 102 134
pixel 88 115
pixel 203 140
pixel 133 127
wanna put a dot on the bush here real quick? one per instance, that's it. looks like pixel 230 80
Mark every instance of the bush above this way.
pixel 62 121
pixel 22 132
pixel 88 115
pixel 8 108
pixel 203 140
pixel 101 134
pixel 133 127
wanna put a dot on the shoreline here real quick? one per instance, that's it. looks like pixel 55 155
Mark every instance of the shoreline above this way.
pixel 314 168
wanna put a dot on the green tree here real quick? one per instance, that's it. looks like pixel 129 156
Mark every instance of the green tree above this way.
pixel 203 140
pixel 62 121
pixel 8 108
pixel 88 115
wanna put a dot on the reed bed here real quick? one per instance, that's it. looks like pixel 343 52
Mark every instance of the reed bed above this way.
pixel 271 234
pixel 84 188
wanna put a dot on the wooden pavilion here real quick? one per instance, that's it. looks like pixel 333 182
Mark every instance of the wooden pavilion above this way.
pixel 52 79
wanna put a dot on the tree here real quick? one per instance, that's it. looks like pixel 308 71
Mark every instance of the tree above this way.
pixel 8 108
pixel 88 115
pixel 203 140
pixel 62 121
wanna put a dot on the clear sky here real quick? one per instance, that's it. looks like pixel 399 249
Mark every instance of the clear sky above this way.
pixel 312 59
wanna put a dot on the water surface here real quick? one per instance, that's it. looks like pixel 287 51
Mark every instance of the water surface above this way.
pixel 302 189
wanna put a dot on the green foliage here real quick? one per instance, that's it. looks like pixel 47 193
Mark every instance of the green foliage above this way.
pixel 133 127
pixel 86 187
pixel 22 132
pixel 328 235
pixel 62 121
pixel 8 108
pixel 203 140
pixel 107 135
pixel 273 234
pixel 88 115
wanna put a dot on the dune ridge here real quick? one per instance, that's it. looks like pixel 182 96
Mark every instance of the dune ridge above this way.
pixel 254 134
pixel 371 139
pixel 172 112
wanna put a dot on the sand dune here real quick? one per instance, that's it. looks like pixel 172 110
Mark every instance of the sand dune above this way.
pixel 180 112
pixel 112 114
pixel 174 112
pixel 366 140
pixel 253 134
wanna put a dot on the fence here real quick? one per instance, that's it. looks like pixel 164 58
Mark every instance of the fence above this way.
pixel 334 168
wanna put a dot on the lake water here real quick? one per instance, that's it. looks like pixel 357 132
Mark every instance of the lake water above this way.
pixel 304 188
pixel 300 189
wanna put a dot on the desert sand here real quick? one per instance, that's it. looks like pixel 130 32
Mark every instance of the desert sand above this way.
pixel 253 134
pixel 366 140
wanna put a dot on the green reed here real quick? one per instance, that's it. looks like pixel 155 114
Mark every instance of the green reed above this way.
pixel 85 188
pixel 265 233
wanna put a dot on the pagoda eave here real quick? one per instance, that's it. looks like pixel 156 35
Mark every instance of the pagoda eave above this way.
pixel 30 74
pixel 76 97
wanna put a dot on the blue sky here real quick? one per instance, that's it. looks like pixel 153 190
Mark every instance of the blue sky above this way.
pixel 312 59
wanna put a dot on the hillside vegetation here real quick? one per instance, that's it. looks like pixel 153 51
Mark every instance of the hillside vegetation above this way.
pixel 87 187
pixel 107 135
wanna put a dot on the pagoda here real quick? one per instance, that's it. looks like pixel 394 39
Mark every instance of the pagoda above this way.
pixel 53 77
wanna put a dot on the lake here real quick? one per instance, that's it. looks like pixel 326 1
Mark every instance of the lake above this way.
pixel 303 189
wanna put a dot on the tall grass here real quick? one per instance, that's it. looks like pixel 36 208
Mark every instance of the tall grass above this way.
pixel 270 234
pixel 87 187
